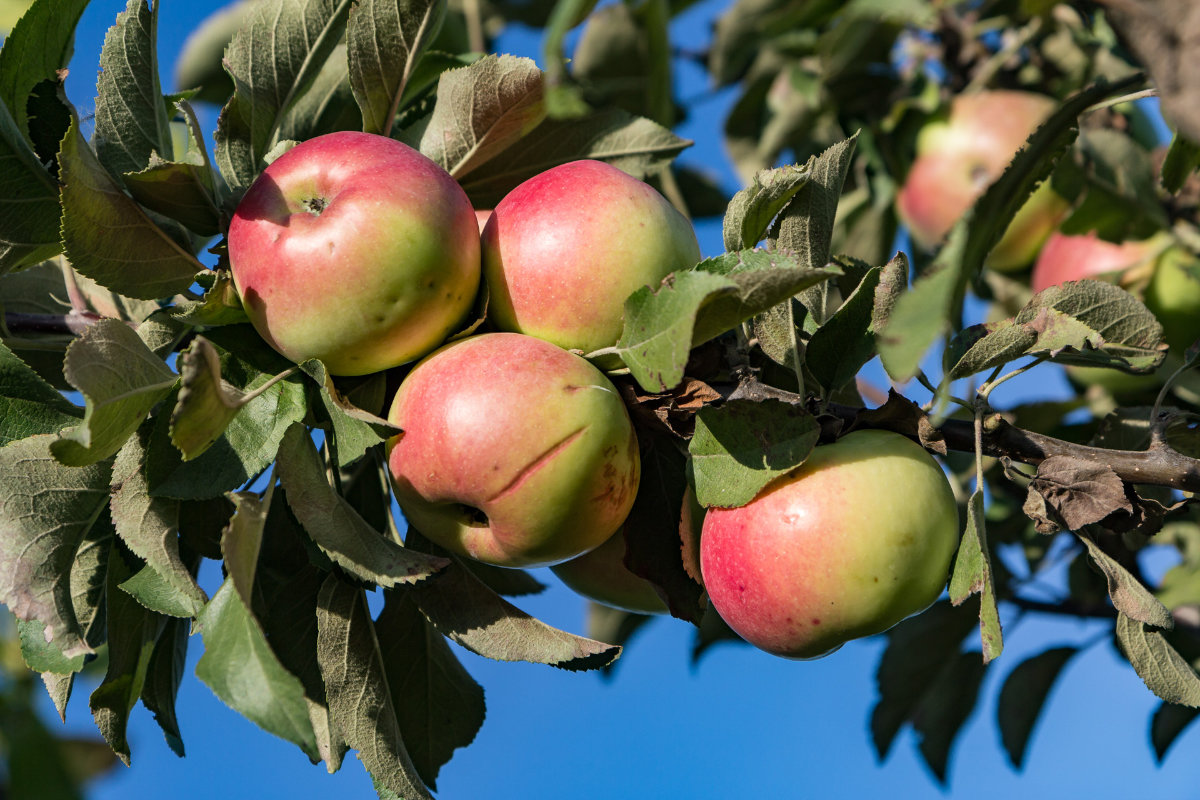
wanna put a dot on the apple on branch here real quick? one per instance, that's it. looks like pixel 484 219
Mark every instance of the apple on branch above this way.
pixel 513 452
pixel 562 252
pixel 355 249
pixel 960 154
pixel 857 538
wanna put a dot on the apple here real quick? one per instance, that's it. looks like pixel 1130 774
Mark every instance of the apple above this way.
pixel 960 154
pixel 1173 294
pixel 355 249
pixel 514 452
pixel 563 251
pixel 601 575
pixel 857 538
pixel 1069 257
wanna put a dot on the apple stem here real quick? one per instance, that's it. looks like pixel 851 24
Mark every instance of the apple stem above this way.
pixel 315 205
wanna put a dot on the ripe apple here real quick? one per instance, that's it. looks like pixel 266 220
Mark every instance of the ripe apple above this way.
pixel 960 155
pixel 1173 294
pixel 1067 257
pixel 514 452
pixel 563 251
pixel 355 249
pixel 857 538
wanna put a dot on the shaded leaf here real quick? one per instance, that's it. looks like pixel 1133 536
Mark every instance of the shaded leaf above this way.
pixel 40 44
pixel 386 41
pixel 743 445
pixel 946 708
pixel 1182 159
pixel 356 684
pixel 29 405
pixel 1168 722
pixel 355 431
pixel 1157 663
pixel 164 673
pixel 46 510
pixel 1128 595
pixel 973 575
pixel 846 341
pixel 29 196
pixel 1023 696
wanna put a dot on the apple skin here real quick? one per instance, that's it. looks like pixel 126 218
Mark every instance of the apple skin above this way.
pixel 1070 257
pixel 960 155
pixel 514 452
pixel 1174 296
pixel 563 251
pixel 355 249
pixel 857 538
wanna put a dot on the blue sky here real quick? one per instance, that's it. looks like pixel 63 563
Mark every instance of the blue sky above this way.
pixel 738 724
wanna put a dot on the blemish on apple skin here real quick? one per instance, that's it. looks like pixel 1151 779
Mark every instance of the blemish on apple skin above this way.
pixel 816 621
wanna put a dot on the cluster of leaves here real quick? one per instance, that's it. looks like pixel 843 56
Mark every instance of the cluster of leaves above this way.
pixel 196 441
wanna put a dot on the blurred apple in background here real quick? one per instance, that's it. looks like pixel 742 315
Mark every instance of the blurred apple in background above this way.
pixel 960 154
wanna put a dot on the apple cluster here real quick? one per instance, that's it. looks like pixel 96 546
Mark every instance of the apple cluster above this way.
pixel 357 250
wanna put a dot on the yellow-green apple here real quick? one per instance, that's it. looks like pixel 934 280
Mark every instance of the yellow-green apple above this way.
pixel 857 538
pixel 513 452
pixel 601 575
pixel 355 249
pixel 1173 294
pixel 563 251
pixel 960 154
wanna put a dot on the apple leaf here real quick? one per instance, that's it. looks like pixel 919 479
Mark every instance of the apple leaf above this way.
pixel 841 346
pixel 29 197
pixel 361 702
pixel 805 225
pixel 1157 663
pixel 149 526
pixel 131 117
pixel 945 708
pixel 1168 722
pixel 248 444
pixel 280 49
pixel 924 313
pixel 386 41
pixel 1182 160
pixel 108 237
pixel 1128 595
pixel 181 190
pixel 743 445
pixel 655 528
pixel 121 380
pixel 466 610
pixel 481 110
pixel 354 430
pixel 40 44
pixel 753 209
pixel 164 673
pixel 1024 695
pixel 918 653
pixel 29 405
pixel 206 404
pixel 635 145
pixel 336 527
pixel 973 575
pixel 132 633
pixel 240 668
pixel 438 705
pixel 46 510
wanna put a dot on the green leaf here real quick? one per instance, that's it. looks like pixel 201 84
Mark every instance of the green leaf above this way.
pixel 279 50
pixel 240 668
pixel 840 347
pixel 753 209
pixel 336 527
pixel 131 117
pixel 121 380
pixel 355 431
pixel 663 323
pixel 132 633
pixel 108 237
pixel 919 651
pixel 438 706
pixel 805 225
pixel 1128 595
pixel 356 684
pixel 206 404
pixel 743 445
pixel 46 510
pixel 164 673
pixel 563 100
pixel 220 305
pixel 149 526
pixel 1168 722
pixel 29 197
pixel 481 110
pixel 41 655
pixel 386 41
pixel 29 405
pixel 38 762
pixel 1157 663
pixel 323 106
pixel 181 190
pixel 633 144
pixel 946 708
pixel 464 609
pixel 40 44
pixel 919 316
pixel 973 575
pixel 1183 158
pixel 1023 696
pixel 246 448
